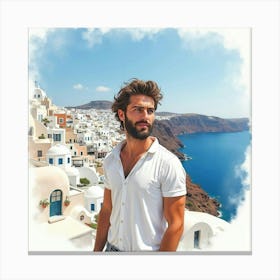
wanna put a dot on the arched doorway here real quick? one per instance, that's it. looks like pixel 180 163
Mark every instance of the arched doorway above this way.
pixel 55 203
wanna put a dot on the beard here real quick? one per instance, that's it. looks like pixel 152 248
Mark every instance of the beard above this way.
pixel 141 133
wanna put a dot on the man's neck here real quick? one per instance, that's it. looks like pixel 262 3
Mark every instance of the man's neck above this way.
pixel 135 147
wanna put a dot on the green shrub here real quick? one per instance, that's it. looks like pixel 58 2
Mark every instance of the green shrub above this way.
pixel 84 181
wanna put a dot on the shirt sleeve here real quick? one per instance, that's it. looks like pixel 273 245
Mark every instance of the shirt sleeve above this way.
pixel 173 179
pixel 106 181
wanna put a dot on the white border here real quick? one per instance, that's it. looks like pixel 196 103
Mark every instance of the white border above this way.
pixel 18 16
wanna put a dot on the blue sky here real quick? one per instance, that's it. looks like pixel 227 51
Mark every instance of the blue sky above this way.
pixel 200 71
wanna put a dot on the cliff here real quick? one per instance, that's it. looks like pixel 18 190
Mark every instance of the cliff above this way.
pixel 98 104
pixel 167 139
pixel 198 200
pixel 195 123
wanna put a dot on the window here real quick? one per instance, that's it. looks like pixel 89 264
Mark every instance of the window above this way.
pixel 92 207
pixel 50 160
pixel 39 153
pixel 196 238
pixel 68 160
pixel 56 195
pixel 81 153
pixel 61 120
pixel 57 137
pixel 50 136
pixel 60 161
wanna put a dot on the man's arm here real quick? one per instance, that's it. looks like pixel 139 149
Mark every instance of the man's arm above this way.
pixel 103 222
pixel 174 208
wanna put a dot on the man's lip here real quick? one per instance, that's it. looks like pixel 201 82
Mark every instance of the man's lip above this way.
pixel 143 124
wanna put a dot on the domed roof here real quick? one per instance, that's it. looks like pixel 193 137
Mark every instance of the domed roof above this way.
pixel 72 171
pixel 39 91
pixel 94 191
pixel 58 150
pixel 48 176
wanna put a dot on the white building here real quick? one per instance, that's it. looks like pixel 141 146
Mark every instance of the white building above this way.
pixel 85 137
pixel 38 111
pixel 54 224
pixel 38 93
pixel 89 173
pixel 58 135
pixel 94 198
pixel 59 155
pixel 199 230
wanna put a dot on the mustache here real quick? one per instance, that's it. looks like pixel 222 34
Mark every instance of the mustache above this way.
pixel 143 122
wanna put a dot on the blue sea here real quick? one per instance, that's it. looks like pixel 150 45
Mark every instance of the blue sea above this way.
pixel 215 166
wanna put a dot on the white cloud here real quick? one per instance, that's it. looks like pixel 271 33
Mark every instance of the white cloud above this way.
pixel 37 40
pixel 237 237
pixel 102 89
pixel 79 87
pixel 94 36
pixel 40 33
pixel 137 34
pixel 232 39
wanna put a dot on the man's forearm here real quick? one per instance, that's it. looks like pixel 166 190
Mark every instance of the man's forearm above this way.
pixel 102 231
pixel 171 238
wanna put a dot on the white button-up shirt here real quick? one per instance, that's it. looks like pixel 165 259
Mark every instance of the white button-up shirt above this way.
pixel 137 222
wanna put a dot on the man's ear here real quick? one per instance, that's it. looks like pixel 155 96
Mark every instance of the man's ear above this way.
pixel 121 115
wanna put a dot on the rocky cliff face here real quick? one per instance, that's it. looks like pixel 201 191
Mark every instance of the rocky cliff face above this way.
pixel 194 123
pixel 198 200
pixel 98 104
pixel 166 138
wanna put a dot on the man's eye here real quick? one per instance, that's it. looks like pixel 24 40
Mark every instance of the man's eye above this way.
pixel 151 111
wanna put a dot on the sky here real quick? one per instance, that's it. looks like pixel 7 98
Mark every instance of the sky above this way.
pixel 203 71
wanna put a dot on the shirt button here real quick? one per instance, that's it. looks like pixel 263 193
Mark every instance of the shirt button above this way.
pixel 121 221
pixel 122 203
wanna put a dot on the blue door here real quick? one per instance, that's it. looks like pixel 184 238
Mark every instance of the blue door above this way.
pixel 55 203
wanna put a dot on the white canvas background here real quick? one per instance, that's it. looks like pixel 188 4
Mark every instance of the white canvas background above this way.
pixel 18 16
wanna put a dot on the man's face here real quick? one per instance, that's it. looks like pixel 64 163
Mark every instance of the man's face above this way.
pixel 139 116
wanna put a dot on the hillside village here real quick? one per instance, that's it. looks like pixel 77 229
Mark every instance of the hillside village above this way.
pixel 66 152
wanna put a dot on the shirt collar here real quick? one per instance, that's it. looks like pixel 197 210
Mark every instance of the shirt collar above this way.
pixel 153 148
pixel 117 150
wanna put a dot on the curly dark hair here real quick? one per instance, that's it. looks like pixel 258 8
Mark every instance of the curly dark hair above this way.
pixel 135 87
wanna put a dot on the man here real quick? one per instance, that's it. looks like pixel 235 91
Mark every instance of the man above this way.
pixel 145 184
